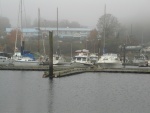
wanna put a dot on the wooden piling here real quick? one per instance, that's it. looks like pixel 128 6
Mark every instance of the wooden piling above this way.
pixel 50 54
pixel 124 55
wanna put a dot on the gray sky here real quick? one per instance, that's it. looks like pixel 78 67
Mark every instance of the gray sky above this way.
pixel 86 12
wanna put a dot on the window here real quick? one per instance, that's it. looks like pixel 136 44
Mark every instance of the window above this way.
pixel 79 58
pixel 83 59
pixel 57 58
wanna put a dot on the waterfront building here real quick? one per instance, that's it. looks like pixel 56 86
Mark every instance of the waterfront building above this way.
pixel 62 32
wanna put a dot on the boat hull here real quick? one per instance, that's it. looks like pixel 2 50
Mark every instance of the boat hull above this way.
pixel 110 65
pixel 6 62
pixel 110 60
pixel 58 62
pixel 81 64
pixel 26 63
pixel 54 63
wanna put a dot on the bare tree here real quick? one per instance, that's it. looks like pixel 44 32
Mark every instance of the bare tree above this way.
pixel 109 23
pixel 53 23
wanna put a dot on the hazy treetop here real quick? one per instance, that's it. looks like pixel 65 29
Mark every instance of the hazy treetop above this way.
pixel 86 12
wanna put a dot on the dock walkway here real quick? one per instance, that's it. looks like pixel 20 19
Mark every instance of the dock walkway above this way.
pixel 61 71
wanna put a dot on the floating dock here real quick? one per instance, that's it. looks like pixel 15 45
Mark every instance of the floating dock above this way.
pixel 61 71
pixel 75 70
pixel 32 68
pixel 25 68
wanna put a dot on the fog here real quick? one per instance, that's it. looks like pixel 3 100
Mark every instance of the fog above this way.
pixel 86 12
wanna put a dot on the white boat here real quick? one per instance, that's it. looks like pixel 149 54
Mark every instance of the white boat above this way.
pixel 94 58
pixel 82 57
pixel 57 60
pixel 25 61
pixel 140 60
pixel 20 60
pixel 110 60
pixel 4 59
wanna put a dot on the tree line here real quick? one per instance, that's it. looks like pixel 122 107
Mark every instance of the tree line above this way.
pixel 116 34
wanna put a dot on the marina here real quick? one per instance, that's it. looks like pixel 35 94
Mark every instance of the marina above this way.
pixel 55 64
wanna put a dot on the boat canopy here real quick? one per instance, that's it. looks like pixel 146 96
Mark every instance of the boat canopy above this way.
pixel 30 55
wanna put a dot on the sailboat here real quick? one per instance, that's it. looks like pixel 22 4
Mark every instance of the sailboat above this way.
pixel 58 59
pixel 22 58
pixel 108 60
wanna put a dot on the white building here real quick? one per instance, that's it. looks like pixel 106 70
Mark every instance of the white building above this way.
pixel 62 32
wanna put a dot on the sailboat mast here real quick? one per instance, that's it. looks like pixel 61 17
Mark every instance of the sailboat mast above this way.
pixel 104 28
pixel 21 25
pixel 57 28
pixel 142 38
pixel 44 36
pixel 39 30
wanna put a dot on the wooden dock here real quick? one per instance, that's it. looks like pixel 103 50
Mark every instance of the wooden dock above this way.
pixel 25 68
pixel 67 72
pixel 33 68
pixel 125 70
pixel 61 71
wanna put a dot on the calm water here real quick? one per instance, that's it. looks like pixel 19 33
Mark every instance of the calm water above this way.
pixel 28 92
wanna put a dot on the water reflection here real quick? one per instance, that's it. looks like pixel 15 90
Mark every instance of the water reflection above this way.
pixel 51 96
pixel 23 92
pixel 28 92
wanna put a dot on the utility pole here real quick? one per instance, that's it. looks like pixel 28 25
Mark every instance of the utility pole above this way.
pixel 104 28
pixel 131 30
pixel 57 22
pixel 71 50
pixel 142 38
pixel 99 46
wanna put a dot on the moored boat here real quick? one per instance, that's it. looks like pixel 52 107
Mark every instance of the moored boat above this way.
pixel 140 60
pixel 110 60
pixel 25 61
pixel 82 57
pixel 20 60
pixel 5 59
pixel 94 58
pixel 57 60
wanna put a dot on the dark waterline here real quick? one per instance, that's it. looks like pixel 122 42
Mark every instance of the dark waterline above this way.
pixel 28 92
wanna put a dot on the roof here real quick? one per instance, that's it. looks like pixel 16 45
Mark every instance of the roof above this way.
pixel 67 29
